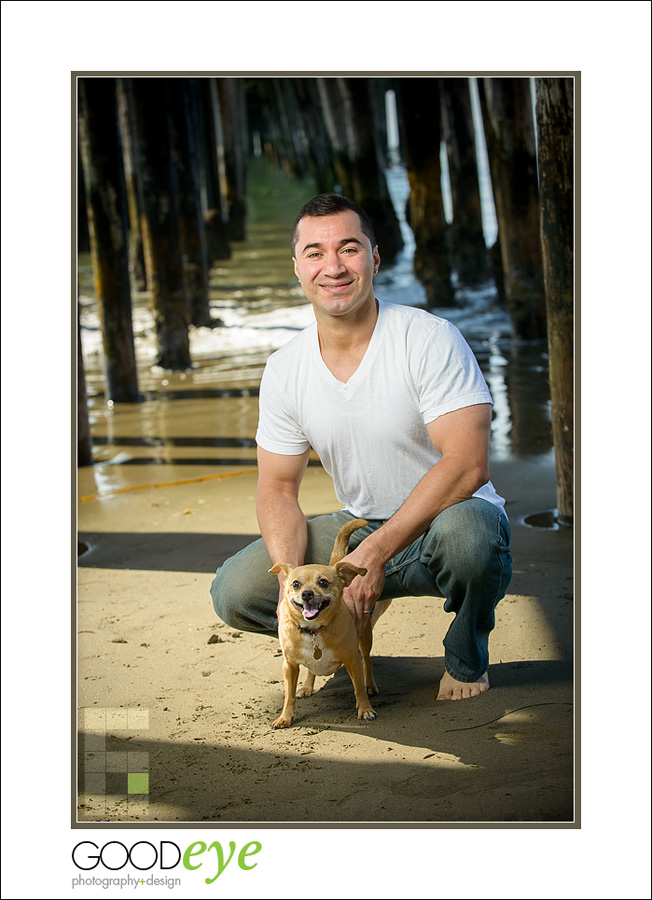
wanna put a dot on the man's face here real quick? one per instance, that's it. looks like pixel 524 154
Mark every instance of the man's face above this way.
pixel 335 263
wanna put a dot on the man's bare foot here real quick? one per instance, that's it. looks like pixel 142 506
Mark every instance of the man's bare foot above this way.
pixel 452 689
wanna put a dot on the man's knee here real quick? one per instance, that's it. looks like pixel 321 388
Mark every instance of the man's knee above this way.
pixel 472 536
pixel 222 598
pixel 244 594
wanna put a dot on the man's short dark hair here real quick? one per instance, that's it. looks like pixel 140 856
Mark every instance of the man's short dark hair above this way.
pixel 331 205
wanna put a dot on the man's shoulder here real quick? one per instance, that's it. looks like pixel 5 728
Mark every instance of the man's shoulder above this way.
pixel 415 320
pixel 299 342
pixel 297 345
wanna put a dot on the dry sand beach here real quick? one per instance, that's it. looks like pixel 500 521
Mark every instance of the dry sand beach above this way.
pixel 175 708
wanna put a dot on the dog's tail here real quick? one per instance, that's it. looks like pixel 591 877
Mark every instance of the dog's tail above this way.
pixel 341 547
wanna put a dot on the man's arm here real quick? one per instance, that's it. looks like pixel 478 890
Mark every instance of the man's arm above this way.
pixel 462 438
pixel 282 524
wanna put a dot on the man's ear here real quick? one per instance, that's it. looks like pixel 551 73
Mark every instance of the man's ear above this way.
pixel 346 572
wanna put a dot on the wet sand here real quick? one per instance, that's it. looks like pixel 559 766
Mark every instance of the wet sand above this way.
pixel 169 693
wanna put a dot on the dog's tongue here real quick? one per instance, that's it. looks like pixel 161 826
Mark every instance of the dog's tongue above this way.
pixel 310 610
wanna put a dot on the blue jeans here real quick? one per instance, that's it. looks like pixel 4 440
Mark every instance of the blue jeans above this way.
pixel 464 557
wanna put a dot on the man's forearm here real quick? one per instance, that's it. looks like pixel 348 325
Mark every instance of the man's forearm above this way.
pixel 282 526
pixel 449 482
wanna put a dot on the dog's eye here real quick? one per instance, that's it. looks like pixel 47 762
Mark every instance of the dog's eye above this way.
pixel 296 585
pixel 323 583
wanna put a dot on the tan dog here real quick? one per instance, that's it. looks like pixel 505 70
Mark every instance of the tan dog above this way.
pixel 316 629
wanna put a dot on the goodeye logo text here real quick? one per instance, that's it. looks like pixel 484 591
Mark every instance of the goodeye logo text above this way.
pixel 143 855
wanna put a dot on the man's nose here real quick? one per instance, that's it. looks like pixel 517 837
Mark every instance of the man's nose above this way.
pixel 333 265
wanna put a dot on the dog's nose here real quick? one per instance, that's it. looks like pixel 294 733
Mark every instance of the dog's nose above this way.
pixel 307 595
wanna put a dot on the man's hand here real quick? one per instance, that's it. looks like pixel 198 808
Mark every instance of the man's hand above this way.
pixel 363 592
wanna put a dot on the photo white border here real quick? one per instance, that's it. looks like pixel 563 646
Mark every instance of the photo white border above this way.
pixel 609 44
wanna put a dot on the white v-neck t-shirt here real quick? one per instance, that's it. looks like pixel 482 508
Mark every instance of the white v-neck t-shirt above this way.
pixel 370 432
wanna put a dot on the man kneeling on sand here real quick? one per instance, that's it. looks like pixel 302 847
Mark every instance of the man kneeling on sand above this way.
pixel 392 400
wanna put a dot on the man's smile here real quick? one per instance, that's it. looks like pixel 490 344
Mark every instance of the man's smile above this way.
pixel 334 288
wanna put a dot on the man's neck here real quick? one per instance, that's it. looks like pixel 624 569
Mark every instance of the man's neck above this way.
pixel 343 340
pixel 342 334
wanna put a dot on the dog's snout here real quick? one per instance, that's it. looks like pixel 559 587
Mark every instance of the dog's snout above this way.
pixel 307 595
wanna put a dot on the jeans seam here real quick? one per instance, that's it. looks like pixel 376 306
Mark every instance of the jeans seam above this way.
pixel 396 568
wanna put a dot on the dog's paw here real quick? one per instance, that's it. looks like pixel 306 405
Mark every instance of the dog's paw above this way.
pixel 304 692
pixel 366 713
pixel 282 722
pixel 372 690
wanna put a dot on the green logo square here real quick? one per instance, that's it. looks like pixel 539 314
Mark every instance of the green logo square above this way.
pixel 137 783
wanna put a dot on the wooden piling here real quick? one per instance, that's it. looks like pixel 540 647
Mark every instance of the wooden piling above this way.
pixel 163 253
pixel 106 206
pixel 191 223
pixel 137 272
pixel 508 120
pixel 234 115
pixel 419 110
pixel 554 112
pixel 319 147
pixel 213 204
pixel 468 249
pixel 84 442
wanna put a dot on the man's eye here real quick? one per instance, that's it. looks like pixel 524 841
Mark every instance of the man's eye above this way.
pixel 296 585
pixel 323 583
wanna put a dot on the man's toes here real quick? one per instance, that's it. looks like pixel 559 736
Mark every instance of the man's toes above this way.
pixel 478 688
pixel 451 689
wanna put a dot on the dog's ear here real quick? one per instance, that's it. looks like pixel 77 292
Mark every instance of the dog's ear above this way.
pixel 346 572
pixel 280 567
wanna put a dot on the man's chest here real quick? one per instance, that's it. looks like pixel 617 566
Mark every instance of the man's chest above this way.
pixel 379 410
